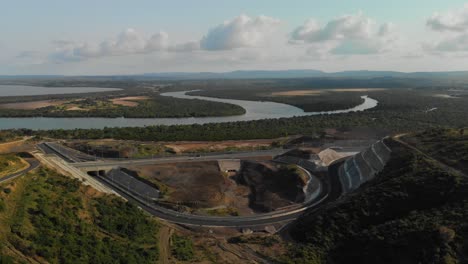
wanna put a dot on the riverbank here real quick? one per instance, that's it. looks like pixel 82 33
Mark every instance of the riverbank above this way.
pixel 253 111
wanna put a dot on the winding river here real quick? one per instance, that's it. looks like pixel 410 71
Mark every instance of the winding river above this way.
pixel 254 111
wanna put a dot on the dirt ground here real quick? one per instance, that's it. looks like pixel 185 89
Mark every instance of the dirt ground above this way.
pixel 196 146
pixel 16 146
pixel 179 147
pixel 218 245
pixel 165 234
pixel 32 105
pixel 76 108
pixel 129 100
pixel 198 185
pixel 273 186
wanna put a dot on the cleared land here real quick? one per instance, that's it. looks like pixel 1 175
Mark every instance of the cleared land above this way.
pixel 74 105
pixel 189 185
pixel 272 186
pixel 139 149
pixel 130 101
pixel 201 188
pixel 213 146
pixel 150 106
pixel 32 105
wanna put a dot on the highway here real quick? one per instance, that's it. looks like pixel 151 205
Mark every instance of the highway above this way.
pixel 236 221
pixel 175 159
pixel 279 216
pixel 33 163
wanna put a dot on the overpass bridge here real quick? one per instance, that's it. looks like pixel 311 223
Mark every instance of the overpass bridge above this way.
pixel 107 165
pixel 347 178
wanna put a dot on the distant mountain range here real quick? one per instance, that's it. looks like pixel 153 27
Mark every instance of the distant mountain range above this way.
pixel 260 74
pixel 265 74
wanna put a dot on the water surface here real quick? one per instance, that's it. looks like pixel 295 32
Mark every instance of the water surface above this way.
pixel 25 90
pixel 254 111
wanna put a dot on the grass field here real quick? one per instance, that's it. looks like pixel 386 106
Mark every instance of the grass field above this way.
pixel 11 163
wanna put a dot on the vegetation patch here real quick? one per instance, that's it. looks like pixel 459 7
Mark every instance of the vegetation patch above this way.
pixel 182 248
pixel 11 163
pixel 52 218
pixel 154 106
pixel 412 212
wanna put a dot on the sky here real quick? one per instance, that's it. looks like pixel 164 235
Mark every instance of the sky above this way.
pixel 108 37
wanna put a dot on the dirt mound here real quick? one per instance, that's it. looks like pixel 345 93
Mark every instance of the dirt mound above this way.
pixel 272 186
pixel 194 184
pixel 327 156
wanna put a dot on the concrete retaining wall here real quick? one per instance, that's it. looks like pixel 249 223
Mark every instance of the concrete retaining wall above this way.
pixel 363 166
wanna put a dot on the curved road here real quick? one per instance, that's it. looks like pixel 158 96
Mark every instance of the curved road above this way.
pixel 331 187
pixel 33 163
pixel 236 221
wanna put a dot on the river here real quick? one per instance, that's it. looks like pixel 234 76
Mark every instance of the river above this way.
pixel 25 90
pixel 254 111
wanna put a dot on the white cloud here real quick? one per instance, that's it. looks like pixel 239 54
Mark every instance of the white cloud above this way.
pixel 458 43
pixel 455 20
pixel 242 31
pixel 453 29
pixel 128 42
pixel 185 47
pixel 346 35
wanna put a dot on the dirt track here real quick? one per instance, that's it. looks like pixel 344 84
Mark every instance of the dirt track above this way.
pixel 165 234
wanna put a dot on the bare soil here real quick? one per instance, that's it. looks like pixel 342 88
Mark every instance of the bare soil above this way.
pixel 32 105
pixel 202 146
pixel 76 108
pixel 16 146
pixel 198 185
pixel 272 186
pixel 129 101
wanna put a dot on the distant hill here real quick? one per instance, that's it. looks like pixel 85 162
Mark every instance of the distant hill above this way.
pixel 285 74
pixel 414 211
pixel 258 74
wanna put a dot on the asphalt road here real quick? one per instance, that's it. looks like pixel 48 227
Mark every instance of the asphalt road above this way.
pixel 188 219
pixel 33 163
pixel 237 221
pixel 208 157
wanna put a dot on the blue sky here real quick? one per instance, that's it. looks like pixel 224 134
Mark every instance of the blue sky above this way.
pixel 122 37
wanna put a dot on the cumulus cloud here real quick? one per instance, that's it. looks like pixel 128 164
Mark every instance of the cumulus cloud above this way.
pixel 453 29
pixel 128 42
pixel 455 20
pixel 346 35
pixel 457 43
pixel 185 47
pixel 242 31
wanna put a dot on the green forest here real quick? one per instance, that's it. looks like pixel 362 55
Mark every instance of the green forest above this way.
pixel 155 107
pixel 414 211
pixel 49 217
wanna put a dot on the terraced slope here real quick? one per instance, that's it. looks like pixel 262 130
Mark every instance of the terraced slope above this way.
pixel 363 166
pixel 413 211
